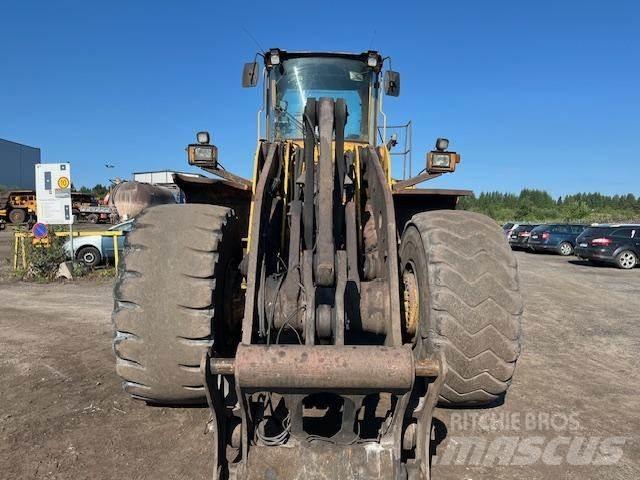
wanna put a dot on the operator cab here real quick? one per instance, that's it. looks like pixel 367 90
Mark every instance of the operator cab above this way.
pixel 293 77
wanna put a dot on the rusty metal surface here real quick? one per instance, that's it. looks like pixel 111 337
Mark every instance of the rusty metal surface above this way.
pixel 259 210
pixel 216 192
pixel 324 265
pixel 410 182
pixel 321 461
pixel 410 201
pixel 434 192
pixel 387 243
pixel 300 368
pixel 426 367
pixel 130 198
pixel 423 367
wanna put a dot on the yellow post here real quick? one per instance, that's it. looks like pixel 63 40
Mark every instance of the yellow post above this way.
pixel 15 250
pixel 24 253
pixel 115 251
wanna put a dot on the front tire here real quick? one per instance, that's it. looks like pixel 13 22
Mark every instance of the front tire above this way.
pixel 469 301
pixel 90 256
pixel 174 296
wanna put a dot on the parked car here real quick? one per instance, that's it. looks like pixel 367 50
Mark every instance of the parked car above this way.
pixel 610 244
pixel 92 250
pixel 519 236
pixel 507 228
pixel 557 238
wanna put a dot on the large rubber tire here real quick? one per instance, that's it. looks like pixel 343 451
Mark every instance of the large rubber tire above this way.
pixel 170 300
pixel 17 215
pixel 470 303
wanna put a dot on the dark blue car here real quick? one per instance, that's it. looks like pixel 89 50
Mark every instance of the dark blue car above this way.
pixel 615 244
pixel 557 238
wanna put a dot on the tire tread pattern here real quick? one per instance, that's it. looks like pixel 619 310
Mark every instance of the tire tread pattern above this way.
pixel 163 301
pixel 476 306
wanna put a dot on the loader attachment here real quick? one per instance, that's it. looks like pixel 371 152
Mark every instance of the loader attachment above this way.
pixel 322 384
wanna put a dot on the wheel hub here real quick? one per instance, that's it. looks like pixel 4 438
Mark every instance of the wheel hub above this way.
pixel 627 260
pixel 411 301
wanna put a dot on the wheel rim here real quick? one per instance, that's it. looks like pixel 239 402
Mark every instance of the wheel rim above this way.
pixel 88 258
pixel 565 249
pixel 627 260
pixel 411 300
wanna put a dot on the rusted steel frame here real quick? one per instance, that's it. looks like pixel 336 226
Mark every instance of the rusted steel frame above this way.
pixel 339 304
pixel 259 211
pixel 351 240
pixel 340 120
pixel 382 199
pixel 217 417
pixel 410 182
pixel 241 182
pixel 328 462
pixel 374 306
pixel 309 187
pixel 424 417
pixel 324 264
pixel 286 297
pixel 309 294
pixel 298 160
pixel 290 368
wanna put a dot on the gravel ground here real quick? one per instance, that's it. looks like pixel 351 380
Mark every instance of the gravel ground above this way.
pixel 572 407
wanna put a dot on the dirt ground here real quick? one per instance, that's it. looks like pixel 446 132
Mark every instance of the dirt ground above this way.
pixel 64 416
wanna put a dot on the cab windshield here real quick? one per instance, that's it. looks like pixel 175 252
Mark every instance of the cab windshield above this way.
pixel 300 78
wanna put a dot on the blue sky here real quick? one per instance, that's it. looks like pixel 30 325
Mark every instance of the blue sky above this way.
pixel 542 94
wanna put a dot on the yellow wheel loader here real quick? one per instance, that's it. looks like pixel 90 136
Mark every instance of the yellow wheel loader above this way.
pixel 323 309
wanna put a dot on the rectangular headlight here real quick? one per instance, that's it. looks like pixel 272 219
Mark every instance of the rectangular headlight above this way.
pixel 442 161
pixel 203 155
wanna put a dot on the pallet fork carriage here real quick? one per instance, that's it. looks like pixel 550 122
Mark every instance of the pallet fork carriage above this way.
pixel 355 304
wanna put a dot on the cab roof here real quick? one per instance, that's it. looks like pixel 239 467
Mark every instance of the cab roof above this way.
pixel 286 55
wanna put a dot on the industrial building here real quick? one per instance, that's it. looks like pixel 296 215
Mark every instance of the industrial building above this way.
pixel 17 164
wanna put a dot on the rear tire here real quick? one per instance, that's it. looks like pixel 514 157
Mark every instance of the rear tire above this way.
pixel 176 292
pixel 565 249
pixel 470 305
pixel 17 215
pixel 92 218
pixel 626 260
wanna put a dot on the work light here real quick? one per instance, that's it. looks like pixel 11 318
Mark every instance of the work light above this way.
pixel 441 162
pixel 372 59
pixel 274 56
pixel 203 138
pixel 442 144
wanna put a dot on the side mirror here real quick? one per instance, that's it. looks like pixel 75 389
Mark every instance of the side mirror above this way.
pixel 250 74
pixel 392 83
